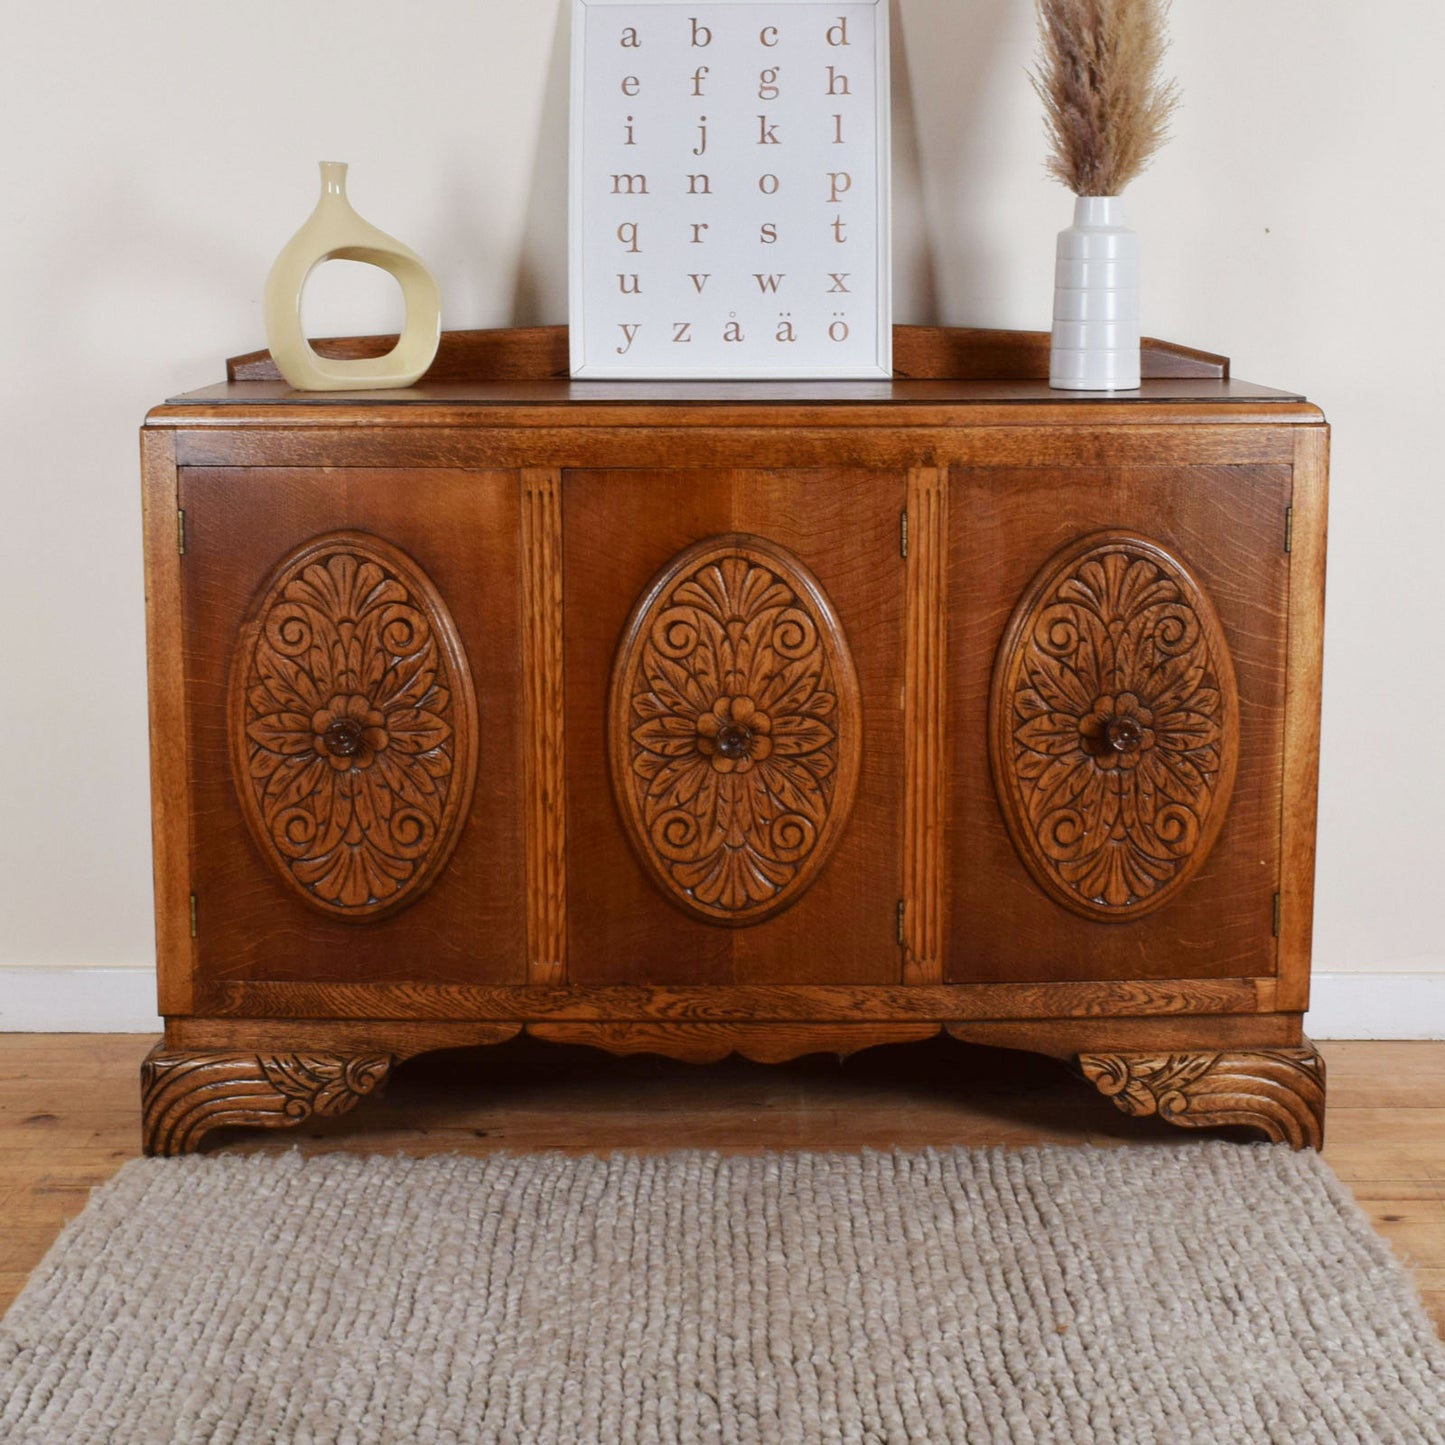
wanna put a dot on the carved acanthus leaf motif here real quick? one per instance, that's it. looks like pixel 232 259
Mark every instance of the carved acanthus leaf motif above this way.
pixel 734 729
pixel 1114 726
pixel 1278 1091
pixel 324 1084
pixel 353 726
pixel 186 1095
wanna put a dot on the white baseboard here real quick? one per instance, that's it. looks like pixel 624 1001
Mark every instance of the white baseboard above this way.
pixel 123 1001
pixel 1376 1006
pixel 65 999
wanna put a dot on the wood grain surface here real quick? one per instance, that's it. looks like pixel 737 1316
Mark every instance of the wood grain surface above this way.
pixel 1300 801
pixel 765 1001
pixel 925 723
pixel 171 800
pixel 460 530
pixel 1227 524
pixel 542 625
pixel 791 836
pixel 541 351
pixel 621 529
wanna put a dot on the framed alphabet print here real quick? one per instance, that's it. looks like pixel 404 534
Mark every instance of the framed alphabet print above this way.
pixel 729 189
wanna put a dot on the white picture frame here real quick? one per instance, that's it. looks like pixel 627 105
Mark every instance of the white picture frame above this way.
pixel 729 189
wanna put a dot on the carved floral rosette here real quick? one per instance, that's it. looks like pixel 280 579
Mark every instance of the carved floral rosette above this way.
pixel 1113 726
pixel 734 729
pixel 353 726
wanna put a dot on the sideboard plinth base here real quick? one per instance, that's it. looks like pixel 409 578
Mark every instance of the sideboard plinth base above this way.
pixel 1280 1092
pixel 186 1095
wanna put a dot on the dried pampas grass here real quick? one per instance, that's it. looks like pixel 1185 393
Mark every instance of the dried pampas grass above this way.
pixel 1106 108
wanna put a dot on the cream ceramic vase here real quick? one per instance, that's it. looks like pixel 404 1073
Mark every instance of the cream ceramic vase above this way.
pixel 1095 344
pixel 335 232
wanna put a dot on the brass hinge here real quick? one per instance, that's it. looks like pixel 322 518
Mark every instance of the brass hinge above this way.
pixel 181 531
pixel 1277 906
pixel 193 915
pixel 900 923
pixel 903 533
pixel 1288 528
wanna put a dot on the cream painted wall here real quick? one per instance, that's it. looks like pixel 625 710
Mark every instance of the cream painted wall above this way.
pixel 158 153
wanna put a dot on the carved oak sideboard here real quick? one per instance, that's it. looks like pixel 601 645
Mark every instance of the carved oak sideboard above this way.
pixel 761 717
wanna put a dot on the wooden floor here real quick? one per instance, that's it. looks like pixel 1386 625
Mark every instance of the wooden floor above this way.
pixel 69 1119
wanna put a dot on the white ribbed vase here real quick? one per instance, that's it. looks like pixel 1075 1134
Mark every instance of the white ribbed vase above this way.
pixel 1096 300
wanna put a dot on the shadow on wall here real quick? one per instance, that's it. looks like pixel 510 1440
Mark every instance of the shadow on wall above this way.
pixel 937 106
pixel 539 295
pixel 954 68
pixel 915 274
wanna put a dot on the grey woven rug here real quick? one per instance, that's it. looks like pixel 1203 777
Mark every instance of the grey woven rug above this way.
pixel 1206 1292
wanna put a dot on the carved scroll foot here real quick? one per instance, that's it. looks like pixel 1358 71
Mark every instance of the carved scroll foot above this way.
pixel 186 1095
pixel 1278 1091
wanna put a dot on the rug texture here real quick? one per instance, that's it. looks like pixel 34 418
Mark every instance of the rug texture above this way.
pixel 1207 1292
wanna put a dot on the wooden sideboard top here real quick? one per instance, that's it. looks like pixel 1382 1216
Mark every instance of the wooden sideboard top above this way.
pixel 523 371
pixel 559 391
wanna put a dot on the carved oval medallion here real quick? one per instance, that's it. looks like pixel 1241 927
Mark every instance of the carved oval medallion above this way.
pixel 735 730
pixel 1114 726
pixel 353 726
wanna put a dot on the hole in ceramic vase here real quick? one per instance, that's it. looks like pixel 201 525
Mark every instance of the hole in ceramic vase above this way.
pixel 351 298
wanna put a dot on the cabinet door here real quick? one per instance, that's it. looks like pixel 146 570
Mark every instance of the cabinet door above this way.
pixel 352 679
pixel 733 665
pixel 1117 648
